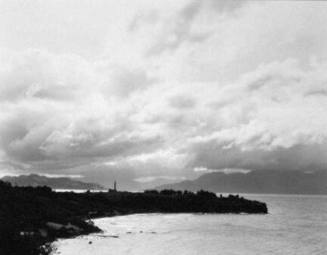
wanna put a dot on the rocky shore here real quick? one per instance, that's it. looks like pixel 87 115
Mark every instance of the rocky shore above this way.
pixel 32 218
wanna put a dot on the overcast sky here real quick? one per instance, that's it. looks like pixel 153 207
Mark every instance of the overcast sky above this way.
pixel 141 90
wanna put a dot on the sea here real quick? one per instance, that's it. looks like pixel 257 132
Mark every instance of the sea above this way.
pixel 295 225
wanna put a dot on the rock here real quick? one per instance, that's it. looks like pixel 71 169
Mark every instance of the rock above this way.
pixel 73 227
pixel 43 232
pixel 53 225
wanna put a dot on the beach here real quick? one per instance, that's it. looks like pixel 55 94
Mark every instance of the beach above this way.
pixel 296 224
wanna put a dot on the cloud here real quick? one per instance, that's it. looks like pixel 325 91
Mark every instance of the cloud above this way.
pixel 298 157
pixel 178 30
pixel 227 6
pixel 224 170
pixel 154 178
pixel 321 92
pixel 63 175
pixel 126 81
pixel 143 90
pixel 55 110
pixel 282 128
pixel 182 102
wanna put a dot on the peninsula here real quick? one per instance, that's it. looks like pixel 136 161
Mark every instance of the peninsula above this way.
pixel 33 217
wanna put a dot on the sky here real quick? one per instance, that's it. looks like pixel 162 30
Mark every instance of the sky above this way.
pixel 148 92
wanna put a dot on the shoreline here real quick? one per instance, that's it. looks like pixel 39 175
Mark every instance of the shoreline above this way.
pixel 46 215
pixel 53 248
pixel 290 223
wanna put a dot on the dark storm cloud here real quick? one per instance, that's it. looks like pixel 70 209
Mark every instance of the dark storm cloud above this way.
pixel 43 143
pixel 301 157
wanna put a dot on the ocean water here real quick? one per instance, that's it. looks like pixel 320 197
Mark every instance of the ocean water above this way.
pixel 295 225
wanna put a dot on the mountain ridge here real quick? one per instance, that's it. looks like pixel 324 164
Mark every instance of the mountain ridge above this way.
pixel 270 182
pixel 53 182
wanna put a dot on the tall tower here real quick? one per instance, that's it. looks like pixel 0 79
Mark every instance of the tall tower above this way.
pixel 115 186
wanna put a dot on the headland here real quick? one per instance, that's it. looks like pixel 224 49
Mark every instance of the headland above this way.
pixel 33 217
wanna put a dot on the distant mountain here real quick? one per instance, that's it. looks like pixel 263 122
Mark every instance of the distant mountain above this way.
pixel 269 182
pixel 54 183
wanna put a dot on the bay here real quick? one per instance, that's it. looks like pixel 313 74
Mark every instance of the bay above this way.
pixel 296 224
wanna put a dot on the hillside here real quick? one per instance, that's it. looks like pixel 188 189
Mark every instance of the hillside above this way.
pixel 269 182
pixel 54 183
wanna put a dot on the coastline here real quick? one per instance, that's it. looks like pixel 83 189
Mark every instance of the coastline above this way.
pixel 291 222
pixel 53 248
pixel 48 215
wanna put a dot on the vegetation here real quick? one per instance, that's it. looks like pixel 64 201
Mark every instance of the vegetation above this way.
pixel 31 218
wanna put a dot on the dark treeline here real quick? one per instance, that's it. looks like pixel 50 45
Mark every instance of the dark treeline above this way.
pixel 32 217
